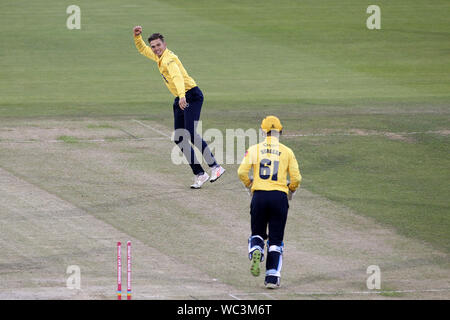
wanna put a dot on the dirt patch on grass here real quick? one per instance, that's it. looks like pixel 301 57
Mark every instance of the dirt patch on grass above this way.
pixel 398 136
pixel 444 132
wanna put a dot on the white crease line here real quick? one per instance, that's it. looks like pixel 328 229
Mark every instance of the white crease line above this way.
pixel 234 297
pixel 168 136
pixel 81 140
pixel 350 292
pixel 274 294
pixel 359 135
pixel 153 129
pixel 398 291
pixel 269 296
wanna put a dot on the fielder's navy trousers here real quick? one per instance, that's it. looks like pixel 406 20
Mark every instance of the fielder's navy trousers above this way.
pixel 269 210
pixel 186 119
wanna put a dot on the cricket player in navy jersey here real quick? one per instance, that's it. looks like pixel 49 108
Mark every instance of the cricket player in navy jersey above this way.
pixel 271 162
pixel 186 106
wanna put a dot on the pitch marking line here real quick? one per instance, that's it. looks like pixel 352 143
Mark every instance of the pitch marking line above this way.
pixel 348 292
pixel 359 135
pixel 151 128
pixel 82 140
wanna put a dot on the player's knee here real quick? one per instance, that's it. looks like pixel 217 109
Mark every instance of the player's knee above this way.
pixel 178 141
pixel 181 135
pixel 196 140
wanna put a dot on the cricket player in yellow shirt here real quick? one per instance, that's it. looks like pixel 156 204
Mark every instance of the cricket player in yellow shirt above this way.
pixel 186 107
pixel 271 162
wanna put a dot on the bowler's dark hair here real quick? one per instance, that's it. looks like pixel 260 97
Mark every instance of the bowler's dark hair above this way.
pixel 156 36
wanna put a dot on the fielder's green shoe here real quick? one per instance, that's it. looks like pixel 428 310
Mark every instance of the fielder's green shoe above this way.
pixel 256 259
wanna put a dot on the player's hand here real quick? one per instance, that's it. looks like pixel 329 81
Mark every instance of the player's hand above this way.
pixel 183 103
pixel 137 30
pixel 249 188
pixel 291 194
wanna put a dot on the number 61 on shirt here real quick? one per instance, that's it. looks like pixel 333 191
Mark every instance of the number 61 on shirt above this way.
pixel 265 169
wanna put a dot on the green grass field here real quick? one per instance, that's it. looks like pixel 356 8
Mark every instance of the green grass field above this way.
pixel 366 111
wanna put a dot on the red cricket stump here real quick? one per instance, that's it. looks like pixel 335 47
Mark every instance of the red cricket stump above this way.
pixel 119 271
pixel 129 270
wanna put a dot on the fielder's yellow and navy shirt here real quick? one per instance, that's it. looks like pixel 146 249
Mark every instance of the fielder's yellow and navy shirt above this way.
pixel 175 76
pixel 271 162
